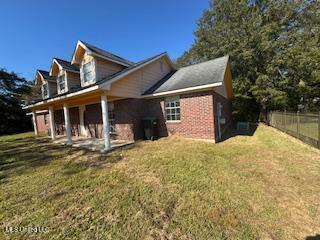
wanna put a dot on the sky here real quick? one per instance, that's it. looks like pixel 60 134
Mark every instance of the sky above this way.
pixel 33 32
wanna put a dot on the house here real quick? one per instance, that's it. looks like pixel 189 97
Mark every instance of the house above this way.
pixel 101 95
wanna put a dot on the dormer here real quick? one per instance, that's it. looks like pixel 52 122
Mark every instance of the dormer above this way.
pixel 48 84
pixel 67 75
pixel 96 64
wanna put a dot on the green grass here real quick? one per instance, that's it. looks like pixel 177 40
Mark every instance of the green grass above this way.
pixel 306 129
pixel 14 137
pixel 264 186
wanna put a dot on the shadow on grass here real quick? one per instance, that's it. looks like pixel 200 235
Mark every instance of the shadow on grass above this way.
pixel 21 155
pixel 233 132
pixel 18 157
pixel 95 160
pixel 315 237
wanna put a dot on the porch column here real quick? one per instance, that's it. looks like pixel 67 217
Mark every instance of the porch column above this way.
pixel 82 108
pixel 105 120
pixel 67 123
pixel 52 125
pixel 35 124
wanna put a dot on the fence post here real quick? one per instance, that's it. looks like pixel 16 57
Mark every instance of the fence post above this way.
pixel 285 120
pixel 298 123
pixel 319 130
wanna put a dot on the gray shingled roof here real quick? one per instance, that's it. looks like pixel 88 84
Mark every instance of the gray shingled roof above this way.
pixel 109 55
pixel 109 78
pixel 204 73
pixel 67 65
pixel 46 75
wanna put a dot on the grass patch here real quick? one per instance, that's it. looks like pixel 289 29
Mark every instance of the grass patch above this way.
pixel 264 186
pixel 13 137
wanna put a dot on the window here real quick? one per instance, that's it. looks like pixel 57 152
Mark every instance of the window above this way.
pixel 87 70
pixel 62 83
pixel 112 121
pixel 45 90
pixel 172 108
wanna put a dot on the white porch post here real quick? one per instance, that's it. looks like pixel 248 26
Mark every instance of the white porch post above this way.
pixel 67 123
pixel 35 124
pixel 105 120
pixel 81 117
pixel 52 125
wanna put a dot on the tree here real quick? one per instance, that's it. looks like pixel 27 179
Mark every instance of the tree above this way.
pixel 260 37
pixel 13 118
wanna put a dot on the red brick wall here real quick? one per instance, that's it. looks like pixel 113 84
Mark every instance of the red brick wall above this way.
pixel 59 121
pixel 128 115
pixel 42 125
pixel 154 108
pixel 197 118
pixel 93 120
pixel 74 121
pixel 127 119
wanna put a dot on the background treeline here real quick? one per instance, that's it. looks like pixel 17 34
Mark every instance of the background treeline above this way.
pixel 15 91
pixel 274 47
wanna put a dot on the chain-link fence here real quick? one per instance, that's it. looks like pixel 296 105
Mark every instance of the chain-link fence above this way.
pixel 305 126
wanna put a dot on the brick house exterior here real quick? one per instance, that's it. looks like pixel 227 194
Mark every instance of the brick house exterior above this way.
pixel 42 119
pixel 98 90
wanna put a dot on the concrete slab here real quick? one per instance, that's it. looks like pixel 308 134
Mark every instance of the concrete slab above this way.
pixel 94 144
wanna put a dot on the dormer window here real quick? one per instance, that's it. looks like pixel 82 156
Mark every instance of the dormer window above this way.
pixel 88 73
pixel 62 83
pixel 45 92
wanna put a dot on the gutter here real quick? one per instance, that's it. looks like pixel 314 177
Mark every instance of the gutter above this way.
pixel 183 90
pixel 102 86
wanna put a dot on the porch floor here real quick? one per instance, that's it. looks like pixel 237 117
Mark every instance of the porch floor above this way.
pixel 94 144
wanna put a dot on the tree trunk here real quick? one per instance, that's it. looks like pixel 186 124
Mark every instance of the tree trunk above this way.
pixel 263 113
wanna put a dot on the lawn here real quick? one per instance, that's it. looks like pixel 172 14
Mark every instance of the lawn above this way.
pixel 264 186
pixel 13 137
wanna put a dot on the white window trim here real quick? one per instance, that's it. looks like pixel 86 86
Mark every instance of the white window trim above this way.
pixel 171 98
pixel 65 83
pixel 48 93
pixel 94 72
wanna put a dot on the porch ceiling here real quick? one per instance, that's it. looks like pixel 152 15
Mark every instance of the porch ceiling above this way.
pixel 87 99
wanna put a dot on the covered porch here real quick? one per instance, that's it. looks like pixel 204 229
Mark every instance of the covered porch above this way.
pixel 71 125
pixel 94 144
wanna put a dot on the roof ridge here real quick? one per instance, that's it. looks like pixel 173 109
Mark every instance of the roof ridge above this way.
pixel 40 70
pixel 60 59
pixel 102 51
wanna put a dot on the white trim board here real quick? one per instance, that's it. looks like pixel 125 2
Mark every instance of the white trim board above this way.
pixel 183 90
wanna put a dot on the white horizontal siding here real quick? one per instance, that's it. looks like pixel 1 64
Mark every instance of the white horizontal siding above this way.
pixel 52 88
pixel 138 82
pixel 73 80
pixel 106 68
